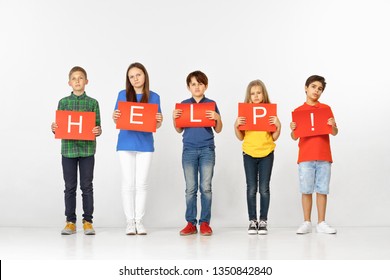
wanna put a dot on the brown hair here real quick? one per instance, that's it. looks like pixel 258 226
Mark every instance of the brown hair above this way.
pixel 130 91
pixel 78 68
pixel 199 76
pixel 316 78
pixel 264 89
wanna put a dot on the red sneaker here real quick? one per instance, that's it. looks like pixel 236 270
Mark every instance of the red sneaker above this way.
pixel 205 229
pixel 189 229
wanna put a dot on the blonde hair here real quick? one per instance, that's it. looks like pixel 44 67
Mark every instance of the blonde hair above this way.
pixel 263 87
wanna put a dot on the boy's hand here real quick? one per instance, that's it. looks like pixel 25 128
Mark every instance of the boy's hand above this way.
pixel 177 113
pixel 332 122
pixel 97 130
pixel 240 121
pixel 293 125
pixel 212 115
pixel 54 126
pixel 116 115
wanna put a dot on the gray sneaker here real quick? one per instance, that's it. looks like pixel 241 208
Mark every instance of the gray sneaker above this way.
pixel 252 229
pixel 262 229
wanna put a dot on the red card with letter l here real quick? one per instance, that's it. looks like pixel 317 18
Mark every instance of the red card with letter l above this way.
pixel 137 116
pixel 74 125
pixel 312 122
pixel 257 116
pixel 194 114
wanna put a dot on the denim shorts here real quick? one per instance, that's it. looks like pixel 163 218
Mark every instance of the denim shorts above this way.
pixel 314 176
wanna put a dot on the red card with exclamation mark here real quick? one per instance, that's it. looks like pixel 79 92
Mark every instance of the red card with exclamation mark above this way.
pixel 312 122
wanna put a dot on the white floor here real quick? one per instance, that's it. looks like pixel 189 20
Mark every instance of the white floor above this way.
pixel 366 243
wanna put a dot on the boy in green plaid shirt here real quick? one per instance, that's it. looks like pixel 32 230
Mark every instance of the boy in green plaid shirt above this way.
pixel 78 154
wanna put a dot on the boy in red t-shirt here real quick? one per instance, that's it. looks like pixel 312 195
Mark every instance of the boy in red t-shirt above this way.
pixel 314 160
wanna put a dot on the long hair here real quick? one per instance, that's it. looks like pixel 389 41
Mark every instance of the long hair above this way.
pixel 264 89
pixel 130 91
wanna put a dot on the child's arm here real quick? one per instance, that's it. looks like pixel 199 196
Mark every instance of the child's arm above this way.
pixel 212 115
pixel 116 115
pixel 275 121
pixel 177 113
pixel 159 118
pixel 239 134
pixel 293 126
pixel 332 122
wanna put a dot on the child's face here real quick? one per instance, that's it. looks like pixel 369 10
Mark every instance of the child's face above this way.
pixel 197 89
pixel 256 94
pixel 314 91
pixel 78 81
pixel 137 79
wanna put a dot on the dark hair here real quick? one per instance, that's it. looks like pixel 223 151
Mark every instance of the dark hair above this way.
pixel 316 78
pixel 199 76
pixel 130 91
pixel 77 68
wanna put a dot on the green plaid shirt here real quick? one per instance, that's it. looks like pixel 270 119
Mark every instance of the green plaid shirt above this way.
pixel 82 103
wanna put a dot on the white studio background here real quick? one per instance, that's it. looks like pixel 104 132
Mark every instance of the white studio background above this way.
pixel 233 42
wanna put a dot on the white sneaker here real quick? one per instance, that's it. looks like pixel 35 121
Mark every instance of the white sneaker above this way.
pixel 130 228
pixel 323 227
pixel 140 228
pixel 262 229
pixel 304 228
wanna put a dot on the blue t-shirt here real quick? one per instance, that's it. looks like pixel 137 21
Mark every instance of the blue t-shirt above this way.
pixel 198 137
pixel 137 141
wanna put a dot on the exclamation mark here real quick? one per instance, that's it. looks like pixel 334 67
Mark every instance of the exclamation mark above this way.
pixel 312 121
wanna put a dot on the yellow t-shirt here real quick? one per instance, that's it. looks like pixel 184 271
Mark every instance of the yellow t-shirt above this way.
pixel 258 143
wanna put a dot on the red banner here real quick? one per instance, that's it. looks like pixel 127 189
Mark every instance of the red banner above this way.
pixel 194 114
pixel 137 116
pixel 75 125
pixel 257 116
pixel 312 122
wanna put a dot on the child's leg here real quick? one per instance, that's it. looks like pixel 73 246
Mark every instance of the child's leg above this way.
pixel 265 169
pixel 206 170
pixel 323 173
pixel 321 206
pixel 86 165
pixel 69 169
pixel 142 162
pixel 307 175
pixel 127 162
pixel 190 163
pixel 307 202
pixel 251 172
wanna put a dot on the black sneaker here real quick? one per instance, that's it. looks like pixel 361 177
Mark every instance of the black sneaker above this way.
pixel 252 229
pixel 262 229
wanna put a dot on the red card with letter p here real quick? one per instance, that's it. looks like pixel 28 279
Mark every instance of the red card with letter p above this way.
pixel 312 122
pixel 194 114
pixel 74 125
pixel 137 116
pixel 257 116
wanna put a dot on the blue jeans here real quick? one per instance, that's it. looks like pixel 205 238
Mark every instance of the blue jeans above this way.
pixel 198 162
pixel 258 175
pixel 69 168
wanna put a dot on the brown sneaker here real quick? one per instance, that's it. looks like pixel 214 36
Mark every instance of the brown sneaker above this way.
pixel 205 229
pixel 88 228
pixel 70 228
pixel 189 229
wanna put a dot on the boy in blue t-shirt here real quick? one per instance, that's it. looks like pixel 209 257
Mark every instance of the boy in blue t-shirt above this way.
pixel 198 157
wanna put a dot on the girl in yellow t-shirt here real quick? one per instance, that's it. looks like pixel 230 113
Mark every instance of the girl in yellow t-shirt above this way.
pixel 258 152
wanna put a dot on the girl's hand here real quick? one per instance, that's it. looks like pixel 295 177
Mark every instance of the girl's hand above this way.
pixel 275 121
pixel 240 121
pixel 293 125
pixel 212 115
pixel 54 126
pixel 116 115
pixel 97 130
pixel 177 113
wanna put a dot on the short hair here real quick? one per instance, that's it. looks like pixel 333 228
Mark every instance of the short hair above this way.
pixel 263 87
pixel 316 78
pixel 199 76
pixel 78 68
pixel 130 91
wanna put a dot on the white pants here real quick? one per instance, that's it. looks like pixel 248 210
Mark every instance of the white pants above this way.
pixel 135 169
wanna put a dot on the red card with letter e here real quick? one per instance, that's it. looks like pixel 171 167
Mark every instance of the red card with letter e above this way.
pixel 257 116
pixel 137 116
pixel 194 114
pixel 74 125
pixel 312 122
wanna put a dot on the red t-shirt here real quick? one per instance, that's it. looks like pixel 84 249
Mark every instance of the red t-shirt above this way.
pixel 314 147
